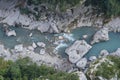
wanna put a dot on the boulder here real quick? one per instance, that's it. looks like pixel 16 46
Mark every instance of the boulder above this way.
pixel 18 48
pixel 41 44
pixel 54 26
pixel 42 51
pixel 34 45
pixel 104 53
pixel 30 48
pixel 77 50
pixel 101 35
pixel 82 63
pixel 92 58
pixel 81 75
pixel 60 37
pixel 85 36
pixel 116 53
pixel 11 33
pixel 30 34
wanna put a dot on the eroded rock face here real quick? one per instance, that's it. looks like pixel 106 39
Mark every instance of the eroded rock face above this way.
pixel 77 50
pixel 114 25
pixel 101 35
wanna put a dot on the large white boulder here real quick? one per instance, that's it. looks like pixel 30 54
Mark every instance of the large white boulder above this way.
pixel 77 50
pixel 82 63
pixel 11 33
pixel 101 35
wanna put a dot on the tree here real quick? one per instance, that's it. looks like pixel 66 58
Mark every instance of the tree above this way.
pixel 14 71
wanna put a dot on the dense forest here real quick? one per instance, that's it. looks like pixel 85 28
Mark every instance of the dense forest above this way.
pixel 108 7
pixel 25 69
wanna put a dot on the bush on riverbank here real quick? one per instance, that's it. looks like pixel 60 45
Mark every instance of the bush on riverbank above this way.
pixel 25 69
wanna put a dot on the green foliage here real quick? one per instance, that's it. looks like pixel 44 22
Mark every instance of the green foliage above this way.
pixel 107 69
pixel 109 7
pixel 14 71
pixel 4 66
pixel 63 4
pixel 24 11
pixel 25 69
pixel 113 7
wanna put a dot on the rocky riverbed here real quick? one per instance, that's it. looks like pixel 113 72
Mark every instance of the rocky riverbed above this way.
pixel 41 40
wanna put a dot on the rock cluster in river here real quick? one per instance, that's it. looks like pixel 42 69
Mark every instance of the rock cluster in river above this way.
pixel 77 50
pixel 101 35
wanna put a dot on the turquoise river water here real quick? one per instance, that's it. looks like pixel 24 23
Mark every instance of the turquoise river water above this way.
pixel 76 34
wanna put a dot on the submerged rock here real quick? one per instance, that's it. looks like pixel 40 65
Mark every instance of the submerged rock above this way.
pixel 77 50
pixel 101 35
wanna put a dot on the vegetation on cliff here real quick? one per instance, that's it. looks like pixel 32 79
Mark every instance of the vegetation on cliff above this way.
pixel 108 7
pixel 62 4
pixel 25 69
pixel 106 68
